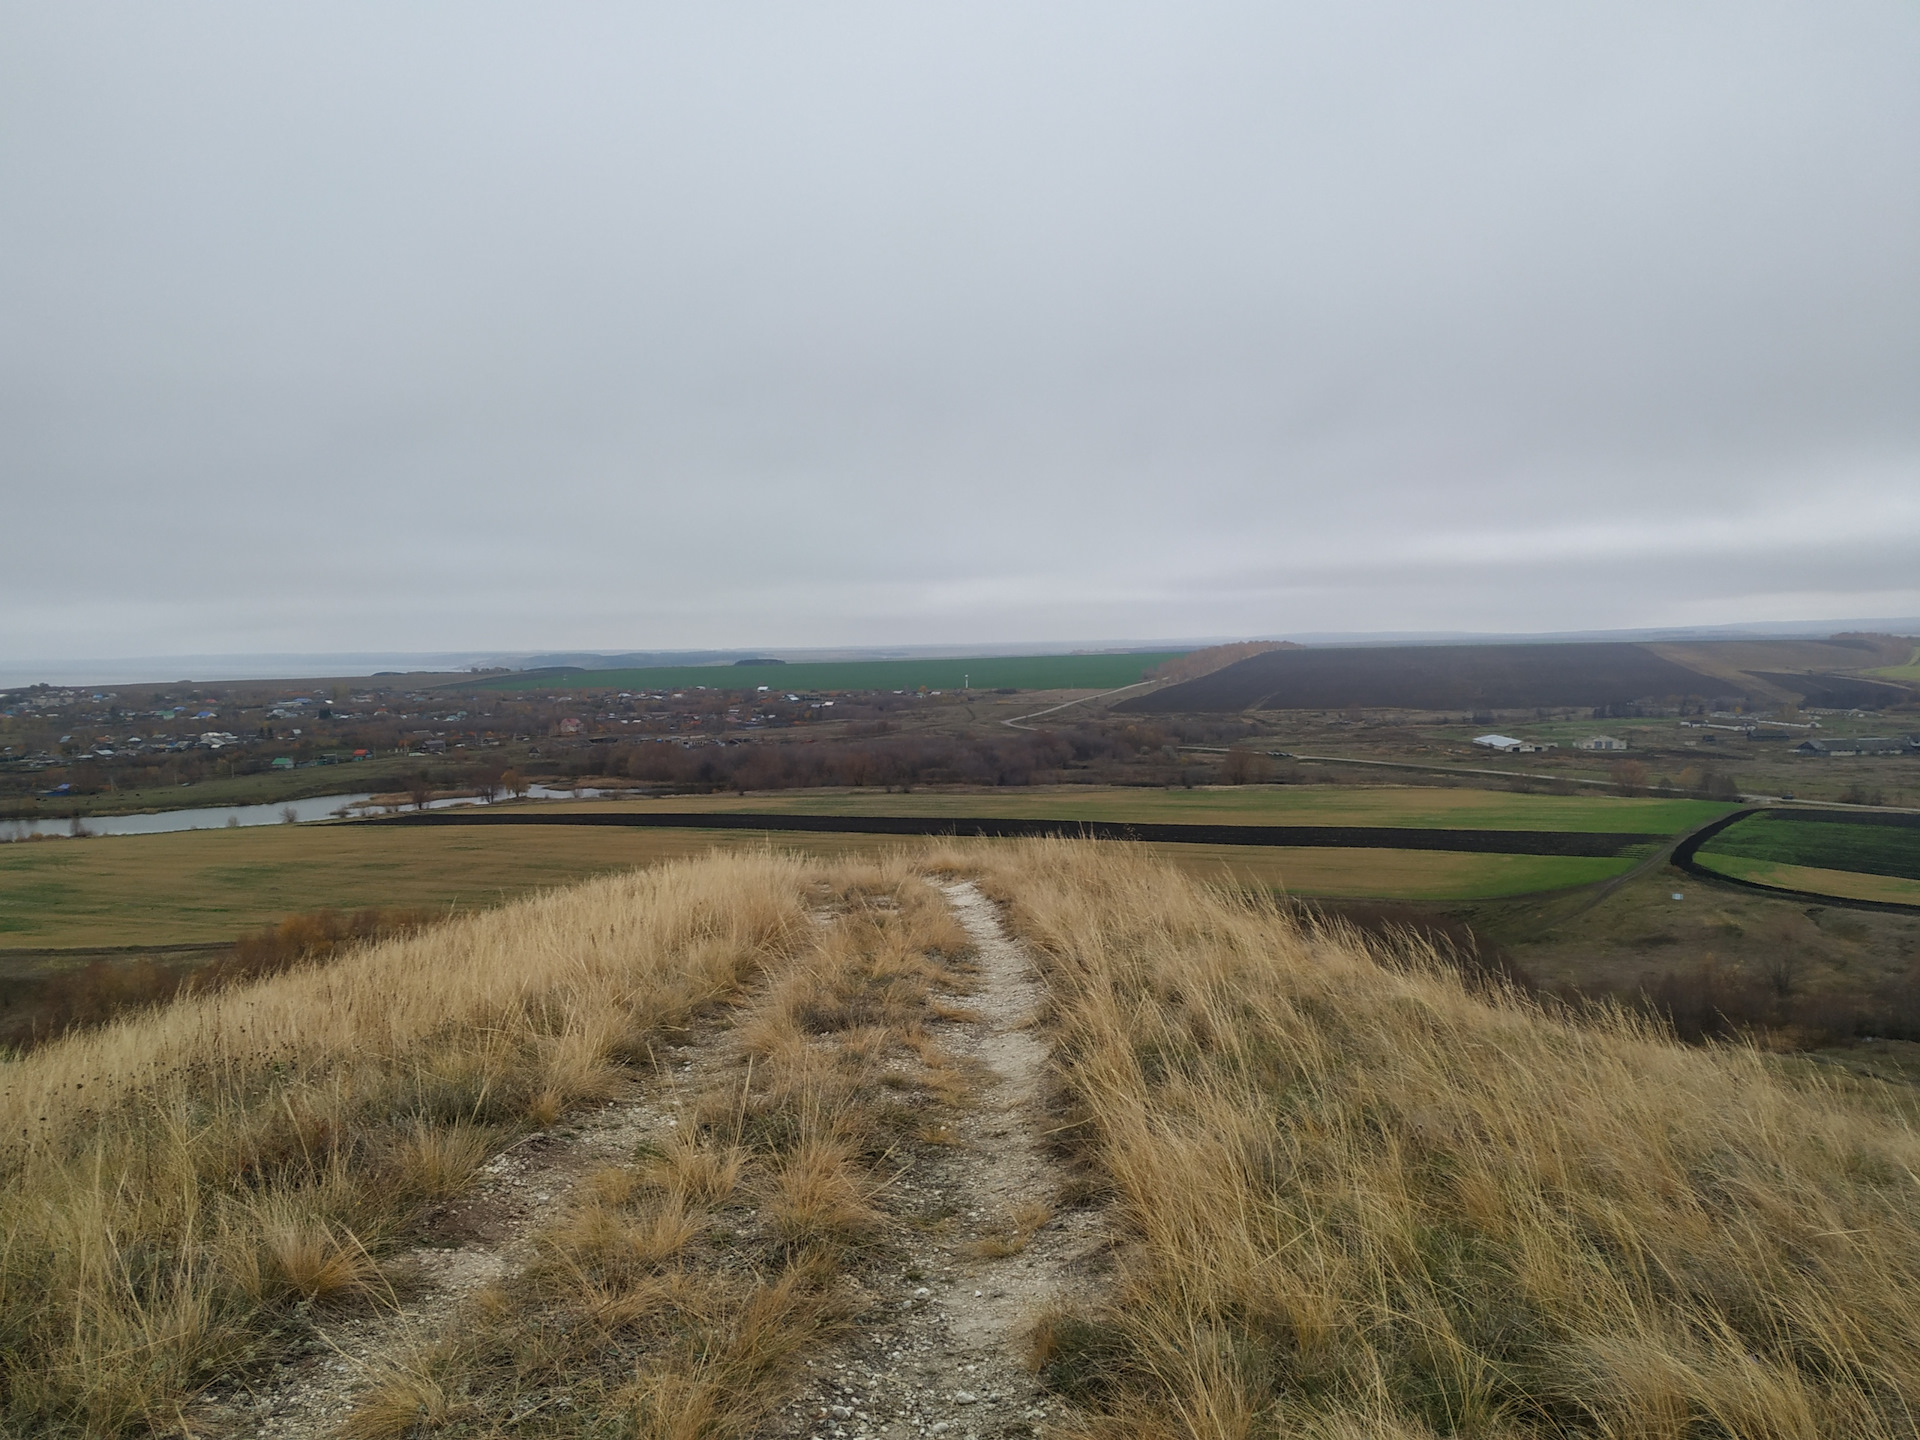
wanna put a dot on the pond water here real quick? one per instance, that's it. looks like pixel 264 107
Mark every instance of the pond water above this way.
pixel 316 807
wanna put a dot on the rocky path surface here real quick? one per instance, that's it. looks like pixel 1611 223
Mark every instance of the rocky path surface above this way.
pixel 943 1352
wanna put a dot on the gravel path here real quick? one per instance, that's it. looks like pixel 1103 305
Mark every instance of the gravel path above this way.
pixel 941 1352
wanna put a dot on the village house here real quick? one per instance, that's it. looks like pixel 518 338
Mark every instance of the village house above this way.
pixel 1858 745
pixel 1600 742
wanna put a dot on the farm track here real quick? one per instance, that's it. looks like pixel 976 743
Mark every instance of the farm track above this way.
pixel 1018 721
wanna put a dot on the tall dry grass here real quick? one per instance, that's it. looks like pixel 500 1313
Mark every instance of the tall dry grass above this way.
pixel 675 1298
pixel 1363 1199
pixel 183 1185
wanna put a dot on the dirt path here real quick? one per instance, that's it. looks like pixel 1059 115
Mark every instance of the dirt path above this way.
pixel 942 1352
pixel 1015 722
pixel 972 1256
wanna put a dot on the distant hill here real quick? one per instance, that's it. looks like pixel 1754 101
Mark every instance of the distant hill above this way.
pixel 1547 675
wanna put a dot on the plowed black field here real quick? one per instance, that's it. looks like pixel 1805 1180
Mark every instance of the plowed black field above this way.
pixel 1437 677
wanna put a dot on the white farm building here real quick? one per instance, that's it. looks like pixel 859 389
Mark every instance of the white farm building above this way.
pixel 1600 742
pixel 1506 744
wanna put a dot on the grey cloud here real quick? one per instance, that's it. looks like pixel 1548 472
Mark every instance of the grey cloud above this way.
pixel 455 326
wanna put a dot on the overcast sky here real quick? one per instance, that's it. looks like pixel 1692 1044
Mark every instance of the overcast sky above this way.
pixel 441 326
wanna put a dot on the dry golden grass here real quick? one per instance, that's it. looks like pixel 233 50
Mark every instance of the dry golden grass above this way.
pixel 1359 1198
pixel 674 1300
pixel 175 1182
pixel 1356 1197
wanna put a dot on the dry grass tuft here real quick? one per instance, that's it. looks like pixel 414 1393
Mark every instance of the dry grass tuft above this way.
pixel 317 1261
pixel 432 1162
pixel 408 1397
pixel 815 1197
pixel 706 1173
pixel 1362 1199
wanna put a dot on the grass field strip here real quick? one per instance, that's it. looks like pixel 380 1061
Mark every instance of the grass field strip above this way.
pixel 1583 843
pixel 1847 857
pixel 1812 882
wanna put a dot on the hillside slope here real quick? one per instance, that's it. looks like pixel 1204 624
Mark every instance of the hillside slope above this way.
pixel 1362 1199
pixel 752 1145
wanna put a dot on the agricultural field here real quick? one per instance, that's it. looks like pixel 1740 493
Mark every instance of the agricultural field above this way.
pixel 1909 672
pixel 1816 880
pixel 1868 844
pixel 1523 677
pixel 1412 875
pixel 1433 677
pixel 1410 806
pixel 989 672
pixel 203 886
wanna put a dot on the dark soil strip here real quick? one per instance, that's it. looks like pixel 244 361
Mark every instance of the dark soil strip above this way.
pixel 1353 837
pixel 1684 852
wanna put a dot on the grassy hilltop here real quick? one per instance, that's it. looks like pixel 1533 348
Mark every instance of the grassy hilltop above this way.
pixel 1343 1189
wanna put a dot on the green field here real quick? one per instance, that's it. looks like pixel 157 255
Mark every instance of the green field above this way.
pixel 988 672
pixel 1336 874
pixel 1909 671
pixel 199 886
pixel 206 886
pixel 1843 884
pixel 1784 838
pixel 1415 806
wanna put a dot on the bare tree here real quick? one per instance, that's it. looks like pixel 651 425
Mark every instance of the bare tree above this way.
pixel 1245 767
pixel 1782 970
pixel 1629 777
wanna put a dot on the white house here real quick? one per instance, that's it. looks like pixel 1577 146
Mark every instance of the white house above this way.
pixel 1600 742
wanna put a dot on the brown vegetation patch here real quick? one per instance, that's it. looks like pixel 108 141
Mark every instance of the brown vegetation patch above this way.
pixel 183 1183
pixel 1359 1198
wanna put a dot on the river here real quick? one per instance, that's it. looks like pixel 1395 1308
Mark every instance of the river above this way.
pixel 317 807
